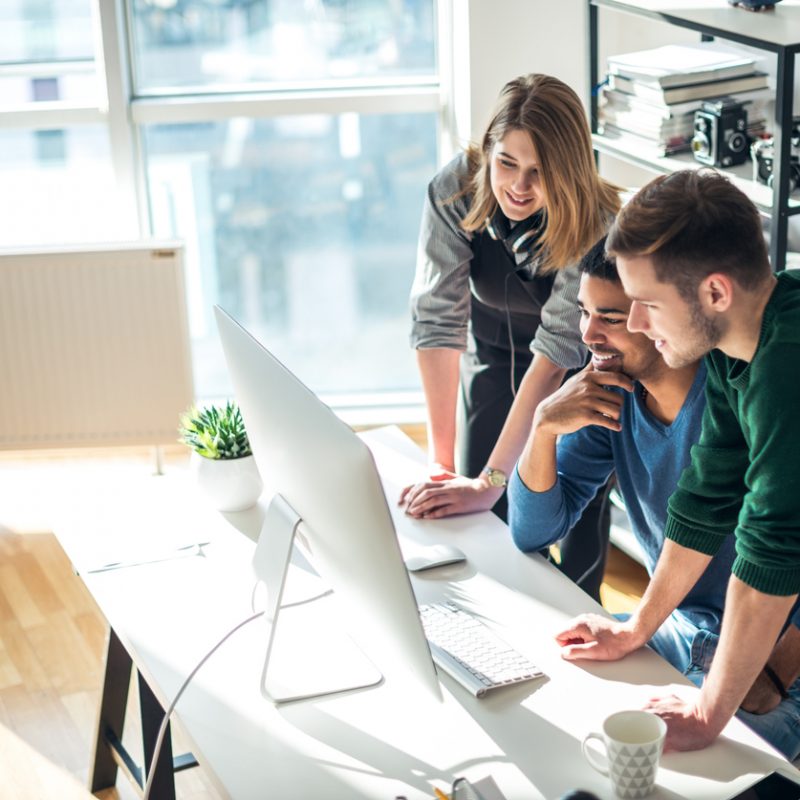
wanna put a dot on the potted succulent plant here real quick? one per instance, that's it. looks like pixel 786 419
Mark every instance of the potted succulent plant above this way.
pixel 222 460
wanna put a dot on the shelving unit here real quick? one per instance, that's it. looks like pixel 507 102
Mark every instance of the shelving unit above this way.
pixel 776 31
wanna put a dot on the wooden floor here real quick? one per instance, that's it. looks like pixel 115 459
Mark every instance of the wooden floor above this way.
pixel 623 584
pixel 52 640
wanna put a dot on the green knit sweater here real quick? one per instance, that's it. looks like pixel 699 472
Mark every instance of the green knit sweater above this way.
pixel 745 470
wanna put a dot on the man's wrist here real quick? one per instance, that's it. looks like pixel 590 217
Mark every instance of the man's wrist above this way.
pixel 638 631
pixel 539 426
pixel 713 720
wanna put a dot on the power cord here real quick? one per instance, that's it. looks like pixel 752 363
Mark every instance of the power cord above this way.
pixel 521 268
pixel 510 337
pixel 162 731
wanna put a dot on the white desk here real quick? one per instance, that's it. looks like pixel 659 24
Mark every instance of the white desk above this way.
pixel 382 742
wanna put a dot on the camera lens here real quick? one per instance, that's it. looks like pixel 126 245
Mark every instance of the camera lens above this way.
pixel 700 144
pixel 737 142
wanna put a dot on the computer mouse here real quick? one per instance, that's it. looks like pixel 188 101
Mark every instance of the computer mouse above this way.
pixel 437 555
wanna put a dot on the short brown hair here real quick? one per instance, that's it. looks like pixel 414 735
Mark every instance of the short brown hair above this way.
pixel 693 223
pixel 578 203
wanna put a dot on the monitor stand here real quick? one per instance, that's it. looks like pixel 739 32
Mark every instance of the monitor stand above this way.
pixel 309 654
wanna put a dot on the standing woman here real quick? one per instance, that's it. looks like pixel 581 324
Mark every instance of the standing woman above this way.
pixel 494 302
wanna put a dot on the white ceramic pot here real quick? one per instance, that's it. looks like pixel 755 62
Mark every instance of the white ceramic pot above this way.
pixel 229 484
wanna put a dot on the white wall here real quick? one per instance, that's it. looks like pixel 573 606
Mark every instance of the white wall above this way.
pixel 496 40
pixel 512 37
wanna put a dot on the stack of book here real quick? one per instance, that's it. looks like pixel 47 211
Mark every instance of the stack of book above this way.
pixel 651 95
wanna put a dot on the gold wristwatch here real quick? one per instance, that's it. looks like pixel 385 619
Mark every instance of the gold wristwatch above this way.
pixel 496 477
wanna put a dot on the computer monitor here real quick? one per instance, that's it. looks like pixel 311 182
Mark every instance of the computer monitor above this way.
pixel 329 499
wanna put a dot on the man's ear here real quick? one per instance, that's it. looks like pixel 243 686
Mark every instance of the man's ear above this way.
pixel 715 292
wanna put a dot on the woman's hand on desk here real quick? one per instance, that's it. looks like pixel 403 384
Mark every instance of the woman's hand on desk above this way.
pixel 597 638
pixel 433 499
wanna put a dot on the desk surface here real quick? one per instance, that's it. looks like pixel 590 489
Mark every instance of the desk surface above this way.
pixel 387 741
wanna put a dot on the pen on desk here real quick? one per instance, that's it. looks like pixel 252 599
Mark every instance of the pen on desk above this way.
pixel 440 795
pixel 196 548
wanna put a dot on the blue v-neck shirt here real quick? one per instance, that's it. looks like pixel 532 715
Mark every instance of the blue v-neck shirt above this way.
pixel 648 458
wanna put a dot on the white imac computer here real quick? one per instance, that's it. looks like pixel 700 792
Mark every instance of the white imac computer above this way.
pixel 329 499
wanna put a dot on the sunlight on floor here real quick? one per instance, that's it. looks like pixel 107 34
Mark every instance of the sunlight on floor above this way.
pixel 33 775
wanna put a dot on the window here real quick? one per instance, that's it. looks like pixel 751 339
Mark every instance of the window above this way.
pixel 289 144
pixel 55 154
pixel 203 46
pixel 47 53
pixel 56 187
pixel 304 228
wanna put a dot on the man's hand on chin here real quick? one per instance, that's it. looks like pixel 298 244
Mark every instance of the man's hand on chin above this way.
pixel 686 727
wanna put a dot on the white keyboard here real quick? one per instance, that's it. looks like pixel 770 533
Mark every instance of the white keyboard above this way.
pixel 470 652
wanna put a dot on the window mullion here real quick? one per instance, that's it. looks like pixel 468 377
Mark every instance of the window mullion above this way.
pixel 44 116
pixel 218 107
pixel 450 111
pixel 112 59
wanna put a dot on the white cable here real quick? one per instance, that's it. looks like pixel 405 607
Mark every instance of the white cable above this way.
pixel 162 731
pixel 510 339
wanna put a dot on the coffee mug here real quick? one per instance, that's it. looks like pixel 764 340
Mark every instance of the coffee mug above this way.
pixel 633 742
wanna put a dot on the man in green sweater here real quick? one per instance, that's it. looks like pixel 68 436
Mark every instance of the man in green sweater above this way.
pixel 692 258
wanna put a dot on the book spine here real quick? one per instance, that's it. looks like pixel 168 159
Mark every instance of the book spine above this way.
pixel 755 102
pixel 685 94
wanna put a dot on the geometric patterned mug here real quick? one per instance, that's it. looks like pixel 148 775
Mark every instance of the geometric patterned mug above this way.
pixel 633 741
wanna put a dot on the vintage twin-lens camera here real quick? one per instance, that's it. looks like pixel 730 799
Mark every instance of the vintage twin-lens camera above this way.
pixel 762 152
pixel 720 133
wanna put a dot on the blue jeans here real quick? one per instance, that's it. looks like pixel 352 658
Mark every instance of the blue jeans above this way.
pixel 690 650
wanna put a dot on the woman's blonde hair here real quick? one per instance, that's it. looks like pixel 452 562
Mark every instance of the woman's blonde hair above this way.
pixel 577 201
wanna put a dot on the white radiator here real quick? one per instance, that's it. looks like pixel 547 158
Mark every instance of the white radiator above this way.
pixel 94 346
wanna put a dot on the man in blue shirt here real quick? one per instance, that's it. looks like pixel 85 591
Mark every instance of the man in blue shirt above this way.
pixel 627 412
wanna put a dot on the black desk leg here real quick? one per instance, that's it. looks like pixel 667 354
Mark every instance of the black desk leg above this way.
pixel 108 733
pixel 110 754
